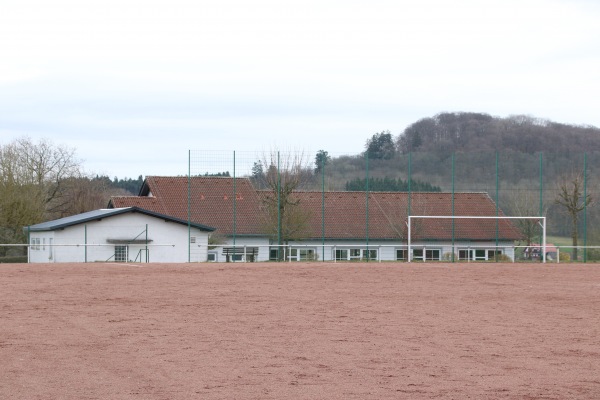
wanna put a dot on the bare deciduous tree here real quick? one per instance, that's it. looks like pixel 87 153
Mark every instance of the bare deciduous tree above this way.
pixel 32 177
pixel 285 173
pixel 81 194
pixel 571 197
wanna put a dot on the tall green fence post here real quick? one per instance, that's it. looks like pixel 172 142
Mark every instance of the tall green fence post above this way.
pixel 323 207
pixel 541 190
pixel 28 243
pixel 279 258
pixel 408 211
pixel 189 216
pixel 367 205
pixel 453 191
pixel 585 207
pixel 234 209
pixel 85 242
pixel 409 183
pixel 497 207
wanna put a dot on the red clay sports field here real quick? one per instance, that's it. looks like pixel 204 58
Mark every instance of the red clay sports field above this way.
pixel 299 331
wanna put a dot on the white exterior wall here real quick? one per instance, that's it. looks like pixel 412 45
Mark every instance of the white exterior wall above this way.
pixel 264 247
pixel 41 249
pixel 386 250
pixel 445 248
pixel 506 248
pixel 125 226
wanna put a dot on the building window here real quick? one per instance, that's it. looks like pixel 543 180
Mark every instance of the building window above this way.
pixel 478 254
pixel 429 254
pixel 341 254
pixel 401 254
pixel 120 253
pixel 355 254
pixel 491 254
pixel 192 239
pixel 302 254
pixel 369 254
pixel 212 256
pixel 274 254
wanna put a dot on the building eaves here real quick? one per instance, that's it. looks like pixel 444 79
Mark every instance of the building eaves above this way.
pixel 98 215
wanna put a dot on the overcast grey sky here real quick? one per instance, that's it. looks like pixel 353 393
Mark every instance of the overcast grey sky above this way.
pixel 134 84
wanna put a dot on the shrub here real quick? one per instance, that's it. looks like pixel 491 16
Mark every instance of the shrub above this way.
pixel 312 257
pixel 593 254
pixel 564 257
pixel 13 259
pixel 502 258
pixel 448 256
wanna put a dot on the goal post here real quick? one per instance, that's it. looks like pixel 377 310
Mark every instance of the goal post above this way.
pixel 458 229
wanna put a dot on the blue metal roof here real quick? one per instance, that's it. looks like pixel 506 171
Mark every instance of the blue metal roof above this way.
pixel 97 215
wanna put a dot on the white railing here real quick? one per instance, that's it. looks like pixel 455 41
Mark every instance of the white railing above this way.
pixel 330 252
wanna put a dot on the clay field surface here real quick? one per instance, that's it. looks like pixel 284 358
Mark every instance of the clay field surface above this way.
pixel 299 331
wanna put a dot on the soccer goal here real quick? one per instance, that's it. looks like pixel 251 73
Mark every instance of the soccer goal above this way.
pixel 471 238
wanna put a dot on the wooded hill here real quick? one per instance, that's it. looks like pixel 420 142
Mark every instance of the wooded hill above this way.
pixel 512 159
pixel 449 132
pixel 521 149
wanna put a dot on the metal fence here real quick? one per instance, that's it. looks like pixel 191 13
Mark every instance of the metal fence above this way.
pixel 561 187
pixel 560 254
pixel 297 199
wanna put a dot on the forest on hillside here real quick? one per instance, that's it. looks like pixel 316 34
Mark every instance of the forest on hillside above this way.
pixel 520 161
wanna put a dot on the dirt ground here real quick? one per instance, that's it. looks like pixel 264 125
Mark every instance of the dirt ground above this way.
pixel 299 331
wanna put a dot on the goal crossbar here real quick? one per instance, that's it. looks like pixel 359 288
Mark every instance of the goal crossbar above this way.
pixel 542 222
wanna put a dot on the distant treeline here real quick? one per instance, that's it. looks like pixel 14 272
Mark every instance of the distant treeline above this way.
pixel 223 174
pixel 466 131
pixel 390 185
pixel 132 186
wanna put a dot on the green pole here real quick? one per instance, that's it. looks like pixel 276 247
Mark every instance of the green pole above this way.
pixel 323 206
pixel 409 181
pixel 85 241
pixel 28 243
pixel 147 255
pixel 497 204
pixel 188 205
pixel 408 211
pixel 367 204
pixel 234 208
pixel 278 207
pixel 541 183
pixel 453 191
pixel 541 188
pixel 584 207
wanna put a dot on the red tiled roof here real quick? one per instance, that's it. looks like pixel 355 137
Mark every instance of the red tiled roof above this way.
pixel 211 200
pixel 345 217
pixel 147 203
